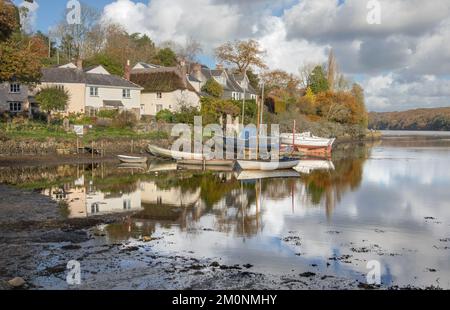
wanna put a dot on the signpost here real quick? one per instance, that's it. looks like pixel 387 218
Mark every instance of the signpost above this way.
pixel 79 131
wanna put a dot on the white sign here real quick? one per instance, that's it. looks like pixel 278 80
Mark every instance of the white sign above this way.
pixel 79 129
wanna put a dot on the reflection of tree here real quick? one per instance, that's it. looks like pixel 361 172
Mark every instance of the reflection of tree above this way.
pixel 130 229
pixel 330 186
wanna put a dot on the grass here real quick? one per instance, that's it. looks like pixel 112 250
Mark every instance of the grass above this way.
pixel 42 132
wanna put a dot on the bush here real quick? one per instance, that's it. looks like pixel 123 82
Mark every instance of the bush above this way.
pixel 213 88
pixel 165 116
pixel 125 119
pixel 186 115
pixel 107 114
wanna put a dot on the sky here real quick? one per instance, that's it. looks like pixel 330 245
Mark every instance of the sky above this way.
pixel 403 62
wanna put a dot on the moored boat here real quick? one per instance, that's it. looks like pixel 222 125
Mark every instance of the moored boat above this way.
pixel 211 162
pixel 132 159
pixel 306 140
pixel 169 154
pixel 257 175
pixel 307 166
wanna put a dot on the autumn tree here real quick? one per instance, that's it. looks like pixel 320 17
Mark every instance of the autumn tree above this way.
pixel 360 109
pixel 52 99
pixel 317 80
pixel 213 88
pixel 242 54
pixel 9 21
pixel 279 79
pixel 20 58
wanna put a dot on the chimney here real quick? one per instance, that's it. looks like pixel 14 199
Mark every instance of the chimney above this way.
pixel 219 67
pixel 127 71
pixel 183 72
pixel 197 71
pixel 80 64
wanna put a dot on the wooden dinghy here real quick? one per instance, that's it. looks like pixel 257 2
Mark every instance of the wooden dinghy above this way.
pixel 132 160
pixel 174 155
pixel 211 162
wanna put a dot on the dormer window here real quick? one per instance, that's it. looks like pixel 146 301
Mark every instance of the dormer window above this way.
pixel 14 88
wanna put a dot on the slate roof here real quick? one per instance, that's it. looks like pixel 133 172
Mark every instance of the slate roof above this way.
pixel 63 75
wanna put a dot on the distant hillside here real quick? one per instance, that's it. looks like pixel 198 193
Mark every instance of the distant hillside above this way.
pixel 420 119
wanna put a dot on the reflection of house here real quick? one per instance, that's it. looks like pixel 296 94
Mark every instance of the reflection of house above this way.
pixel 98 203
pixel 165 88
pixel 234 85
pixel 152 195
pixel 93 89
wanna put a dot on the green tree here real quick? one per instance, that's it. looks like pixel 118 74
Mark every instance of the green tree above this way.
pixel 318 81
pixel 165 116
pixel 213 88
pixel 52 99
pixel 112 65
pixel 166 57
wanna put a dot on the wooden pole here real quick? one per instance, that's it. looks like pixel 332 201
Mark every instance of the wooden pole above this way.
pixel 257 129
pixel 92 149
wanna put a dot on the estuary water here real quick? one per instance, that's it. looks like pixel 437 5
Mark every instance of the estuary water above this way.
pixel 387 202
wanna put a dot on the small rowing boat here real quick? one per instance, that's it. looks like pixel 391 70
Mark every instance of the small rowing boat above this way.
pixel 211 162
pixel 306 140
pixel 132 159
pixel 169 154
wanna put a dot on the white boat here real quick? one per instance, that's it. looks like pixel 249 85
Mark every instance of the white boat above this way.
pixel 132 159
pixel 268 165
pixel 306 140
pixel 162 167
pixel 257 175
pixel 133 166
pixel 307 166
pixel 169 154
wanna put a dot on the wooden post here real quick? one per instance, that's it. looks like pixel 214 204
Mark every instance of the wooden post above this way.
pixel 132 146
pixel 257 129
pixel 92 149
pixel 78 146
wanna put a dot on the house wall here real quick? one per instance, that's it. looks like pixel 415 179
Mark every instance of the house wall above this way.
pixel 112 93
pixel 170 101
pixel 151 194
pixel 76 93
pixel 6 97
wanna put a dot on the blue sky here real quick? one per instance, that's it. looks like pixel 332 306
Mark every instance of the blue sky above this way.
pixel 403 62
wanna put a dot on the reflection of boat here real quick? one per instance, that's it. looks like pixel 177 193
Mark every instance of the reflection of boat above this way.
pixel 307 166
pixel 306 140
pixel 161 167
pixel 137 166
pixel 206 168
pixel 268 165
pixel 256 175
pixel 211 162
pixel 169 154
pixel 132 159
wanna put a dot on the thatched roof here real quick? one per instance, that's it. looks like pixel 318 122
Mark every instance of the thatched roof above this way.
pixel 162 80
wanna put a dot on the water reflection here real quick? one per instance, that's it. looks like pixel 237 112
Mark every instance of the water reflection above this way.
pixel 387 201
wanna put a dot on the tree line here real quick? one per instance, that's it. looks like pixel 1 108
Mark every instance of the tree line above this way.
pixel 420 119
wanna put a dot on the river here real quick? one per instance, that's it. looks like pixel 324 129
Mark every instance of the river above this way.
pixel 387 202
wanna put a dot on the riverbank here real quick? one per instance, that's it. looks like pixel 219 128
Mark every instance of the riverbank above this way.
pixel 37 243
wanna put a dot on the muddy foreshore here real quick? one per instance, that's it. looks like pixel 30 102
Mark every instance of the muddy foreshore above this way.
pixel 37 243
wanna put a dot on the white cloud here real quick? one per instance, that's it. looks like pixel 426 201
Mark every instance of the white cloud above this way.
pixel 411 45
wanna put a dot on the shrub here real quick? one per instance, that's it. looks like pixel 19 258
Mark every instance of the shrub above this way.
pixel 213 88
pixel 108 114
pixel 165 116
pixel 125 119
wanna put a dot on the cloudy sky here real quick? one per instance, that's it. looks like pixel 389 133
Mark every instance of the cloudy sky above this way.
pixel 403 62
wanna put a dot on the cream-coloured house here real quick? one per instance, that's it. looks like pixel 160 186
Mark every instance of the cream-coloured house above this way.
pixel 93 89
pixel 164 88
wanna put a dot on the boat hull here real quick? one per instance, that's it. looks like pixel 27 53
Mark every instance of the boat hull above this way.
pixel 174 155
pixel 258 175
pixel 132 160
pixel 308 142
pixel 212 162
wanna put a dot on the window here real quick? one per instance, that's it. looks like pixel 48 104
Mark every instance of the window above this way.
pixel 93 91
pixel 126 93
pixel 159 95
pixel 15 106
pixel 14 88
pixel 159 108
pixel 127 204
pixel 95 208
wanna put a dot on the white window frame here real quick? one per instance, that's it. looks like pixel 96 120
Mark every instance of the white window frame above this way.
pixel 93 91
pixel 14 88
pixel 159 108
pixel 17 106
pixel 158 95
pixel 126 93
